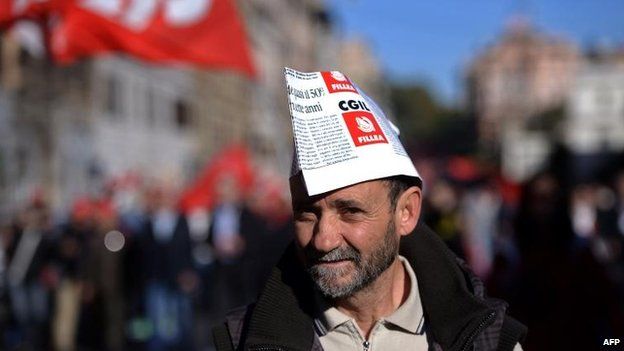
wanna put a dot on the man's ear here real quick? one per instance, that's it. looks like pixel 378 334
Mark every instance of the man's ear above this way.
pixel 408 210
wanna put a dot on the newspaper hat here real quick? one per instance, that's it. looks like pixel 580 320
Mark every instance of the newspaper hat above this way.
pixel 341 136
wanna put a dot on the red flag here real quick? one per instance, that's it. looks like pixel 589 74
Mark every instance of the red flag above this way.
pixel 14 10
pixel 233 162
pixel 207 33
pixel 6 12
pixel 463 169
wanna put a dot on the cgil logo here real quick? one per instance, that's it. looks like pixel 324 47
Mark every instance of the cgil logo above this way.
pixel 611 342
pixel 353 105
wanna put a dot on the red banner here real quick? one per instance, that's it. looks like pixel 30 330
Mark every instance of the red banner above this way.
pixel 14 10
pixel 204 32
pixel 208 33
pixel 233 162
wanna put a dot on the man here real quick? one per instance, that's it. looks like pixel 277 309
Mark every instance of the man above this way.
pixel 362 274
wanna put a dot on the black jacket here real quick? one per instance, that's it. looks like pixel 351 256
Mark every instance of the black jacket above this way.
pixel 458 315
pixel 164 261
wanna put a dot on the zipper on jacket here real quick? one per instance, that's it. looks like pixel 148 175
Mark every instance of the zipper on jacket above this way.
pixel 484 323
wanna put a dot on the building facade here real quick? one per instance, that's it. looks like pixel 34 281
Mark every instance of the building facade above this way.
pixel 522 75
pixel 108 116
pixel 511 85
pixel 595 109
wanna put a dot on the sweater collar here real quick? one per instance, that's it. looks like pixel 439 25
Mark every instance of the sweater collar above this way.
pixel 283 315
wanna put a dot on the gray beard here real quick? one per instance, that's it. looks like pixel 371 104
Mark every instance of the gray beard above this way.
pixel 366 270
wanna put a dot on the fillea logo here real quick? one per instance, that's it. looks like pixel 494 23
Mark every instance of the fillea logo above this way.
pixel 337 82
pixel 338 76
pixel 363 128
pixel 364 124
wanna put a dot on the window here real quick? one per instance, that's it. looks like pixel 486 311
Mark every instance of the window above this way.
pixel 21 158
pixel 151 107
pixel 604 98
pixel 182 114
pixel 113 97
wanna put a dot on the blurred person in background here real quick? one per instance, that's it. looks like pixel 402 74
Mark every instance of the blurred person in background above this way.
pixel 266 227
pixel 441 212
pixel 102 320
pixel 609 244
pixel 72 255
pixel 167 273
pixel 617 236
pixel 504 268
pixel 584 212
pixel 561 290
pixel 6 234
pixel 619 187
pixel 31 276
pixel 481 210
pixel 228 245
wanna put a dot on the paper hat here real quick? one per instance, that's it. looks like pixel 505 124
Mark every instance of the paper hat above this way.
pixel 341 136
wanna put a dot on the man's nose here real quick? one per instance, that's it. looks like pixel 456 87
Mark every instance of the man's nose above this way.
pixel 327 235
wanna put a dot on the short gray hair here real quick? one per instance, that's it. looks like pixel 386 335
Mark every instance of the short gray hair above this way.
pixel 397 185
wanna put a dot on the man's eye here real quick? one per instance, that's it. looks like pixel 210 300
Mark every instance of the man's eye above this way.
pixel 305 217
pixel 352 210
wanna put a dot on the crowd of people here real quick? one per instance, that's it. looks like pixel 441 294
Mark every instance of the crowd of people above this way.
pixel 553 250
pixel 129 269
pixel 110 276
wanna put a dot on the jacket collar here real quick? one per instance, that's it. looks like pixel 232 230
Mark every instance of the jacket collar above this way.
pixel 452 311
pixel 282 317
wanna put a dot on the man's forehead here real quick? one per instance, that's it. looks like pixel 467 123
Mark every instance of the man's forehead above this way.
pixel 363 191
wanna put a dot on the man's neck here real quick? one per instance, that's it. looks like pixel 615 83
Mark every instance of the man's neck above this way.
pixel 382 297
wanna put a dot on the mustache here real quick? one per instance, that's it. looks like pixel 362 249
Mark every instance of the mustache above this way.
pixel 337 254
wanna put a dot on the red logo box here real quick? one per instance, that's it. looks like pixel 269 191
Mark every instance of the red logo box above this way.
pixel 364 128
pixel 337 82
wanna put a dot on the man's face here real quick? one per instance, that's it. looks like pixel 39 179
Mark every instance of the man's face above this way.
pixel 347 237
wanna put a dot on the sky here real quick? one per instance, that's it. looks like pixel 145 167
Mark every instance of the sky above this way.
pixel 430 42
